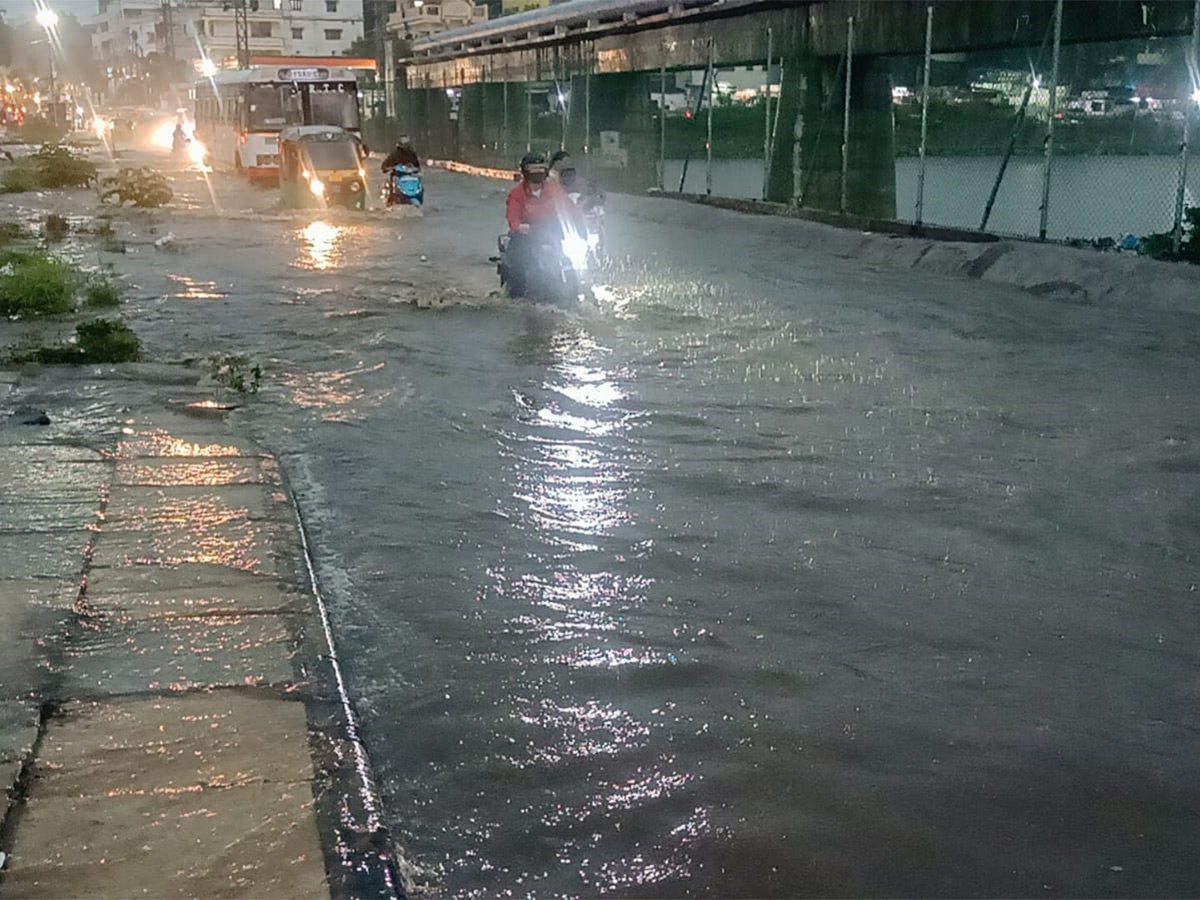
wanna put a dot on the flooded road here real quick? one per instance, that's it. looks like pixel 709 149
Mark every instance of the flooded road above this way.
pixel 774 575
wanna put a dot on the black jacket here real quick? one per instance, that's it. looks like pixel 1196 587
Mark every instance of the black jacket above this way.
pixel 402 156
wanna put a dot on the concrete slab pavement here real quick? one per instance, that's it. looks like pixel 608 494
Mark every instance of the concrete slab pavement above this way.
pixel 165 685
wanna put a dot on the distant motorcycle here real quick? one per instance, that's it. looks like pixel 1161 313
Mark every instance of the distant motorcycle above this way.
pixel 552 267
pixel 404 187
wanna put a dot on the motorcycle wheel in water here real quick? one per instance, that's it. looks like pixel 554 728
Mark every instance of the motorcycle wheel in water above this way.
pixel 551 268
pixel 404 187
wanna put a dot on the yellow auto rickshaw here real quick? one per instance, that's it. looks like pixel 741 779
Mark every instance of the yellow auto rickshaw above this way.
pixel 321 166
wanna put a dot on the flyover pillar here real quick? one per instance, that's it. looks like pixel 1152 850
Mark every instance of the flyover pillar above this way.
pixel 624 147
pixel 807 165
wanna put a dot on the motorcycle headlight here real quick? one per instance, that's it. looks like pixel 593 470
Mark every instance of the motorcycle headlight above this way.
pixel 317 186
pixel 575 249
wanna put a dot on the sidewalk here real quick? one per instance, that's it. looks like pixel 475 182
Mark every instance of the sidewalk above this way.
pixel 164 677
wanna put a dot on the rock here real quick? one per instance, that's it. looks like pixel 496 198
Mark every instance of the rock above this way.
pixel 29 415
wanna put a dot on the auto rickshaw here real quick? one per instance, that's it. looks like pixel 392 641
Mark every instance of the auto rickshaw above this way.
pixel 321 166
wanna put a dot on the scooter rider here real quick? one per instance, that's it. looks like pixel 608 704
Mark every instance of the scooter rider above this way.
pixel 402 154
pixel 534 202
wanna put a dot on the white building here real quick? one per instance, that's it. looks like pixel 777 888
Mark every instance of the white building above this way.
pixel 415 18
pixel 322 27
pixel 217 28
pixel 128 30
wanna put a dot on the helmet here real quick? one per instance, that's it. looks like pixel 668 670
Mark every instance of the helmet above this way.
pixel 533 167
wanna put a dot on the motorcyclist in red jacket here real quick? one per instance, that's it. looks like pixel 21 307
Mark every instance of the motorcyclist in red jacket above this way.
pixel 536 199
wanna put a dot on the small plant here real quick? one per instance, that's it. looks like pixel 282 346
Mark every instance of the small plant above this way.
pixel 56 227
pixel 107 341
pixel 101 293
pixel 142 188
pixel 33 285
pixel 236 373
pixel 1162 245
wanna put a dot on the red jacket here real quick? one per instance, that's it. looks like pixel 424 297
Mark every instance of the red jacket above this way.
pixel 524 208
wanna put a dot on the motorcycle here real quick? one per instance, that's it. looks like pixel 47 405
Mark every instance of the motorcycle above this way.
pixel 404 187
pixel 553 268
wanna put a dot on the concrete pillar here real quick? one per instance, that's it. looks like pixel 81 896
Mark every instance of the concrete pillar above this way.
pixel 808 153
pixel 471 124
pixel 621 107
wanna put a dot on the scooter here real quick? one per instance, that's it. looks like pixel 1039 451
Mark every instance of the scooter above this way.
pixel 551 268
pixel 404 187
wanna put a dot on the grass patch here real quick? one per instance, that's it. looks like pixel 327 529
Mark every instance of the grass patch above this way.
pixel 9 232
pixel 33 285
pixel 97 341
pixel 50 168
pixel 101 293
pixel 20 178
pixel 56 227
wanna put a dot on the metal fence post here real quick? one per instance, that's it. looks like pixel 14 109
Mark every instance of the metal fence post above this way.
pixel 708 143
pixel 662 117
pixel 846 112
pixel 528 117
pixel 767 112
pixel 1193 99
pixel 587 112
pixel 504 121
pixel 1058 8
pixel 924 115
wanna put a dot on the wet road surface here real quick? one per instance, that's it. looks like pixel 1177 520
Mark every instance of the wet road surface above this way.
pixel 773 575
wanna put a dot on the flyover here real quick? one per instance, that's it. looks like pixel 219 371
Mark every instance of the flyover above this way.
pixel 466 93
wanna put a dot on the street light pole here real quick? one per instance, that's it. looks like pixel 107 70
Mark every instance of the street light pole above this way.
pixel 48 19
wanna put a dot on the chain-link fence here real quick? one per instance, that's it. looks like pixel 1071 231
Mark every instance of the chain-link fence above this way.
pixel 1085 147
pixel 1067 142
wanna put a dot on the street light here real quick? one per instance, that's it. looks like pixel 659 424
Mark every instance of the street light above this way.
pixel 48 19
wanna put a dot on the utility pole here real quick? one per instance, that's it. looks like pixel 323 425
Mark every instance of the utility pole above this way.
pixel 241 25
pixel 168 19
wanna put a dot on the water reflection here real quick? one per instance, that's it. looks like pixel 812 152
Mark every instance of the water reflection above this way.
pixel 323 245
pixel 190 289
pixel 333 394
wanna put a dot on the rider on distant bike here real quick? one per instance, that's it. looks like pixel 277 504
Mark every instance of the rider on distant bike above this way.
pixel 402 154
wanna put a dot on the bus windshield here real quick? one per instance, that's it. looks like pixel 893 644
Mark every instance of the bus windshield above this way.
pixel 333 107
pixel 274 106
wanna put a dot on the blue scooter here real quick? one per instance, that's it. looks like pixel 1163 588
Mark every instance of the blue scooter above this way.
pixel 404 187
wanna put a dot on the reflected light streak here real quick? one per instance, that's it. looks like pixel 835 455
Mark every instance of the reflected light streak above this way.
pixel 197 290
pixel 323 245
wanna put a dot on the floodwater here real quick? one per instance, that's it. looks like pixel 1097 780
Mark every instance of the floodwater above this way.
pixel 1090 196
pixel 772 575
